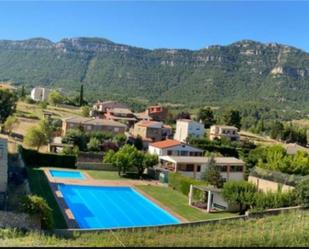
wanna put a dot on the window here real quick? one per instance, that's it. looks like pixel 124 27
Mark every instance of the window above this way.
pixel 116 129
pixel 183 153
pixel 169 152
pixel 190 167
pixel 223 168
pixel 89 127
pixel 236 168
pixel 198 168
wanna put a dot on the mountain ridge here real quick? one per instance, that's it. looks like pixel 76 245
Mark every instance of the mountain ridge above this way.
pixel 241 71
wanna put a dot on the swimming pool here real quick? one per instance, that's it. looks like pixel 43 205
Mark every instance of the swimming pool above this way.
pixel 67 174
pixel 112 207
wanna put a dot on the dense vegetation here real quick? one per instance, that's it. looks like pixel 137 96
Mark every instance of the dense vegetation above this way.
pixel 242 71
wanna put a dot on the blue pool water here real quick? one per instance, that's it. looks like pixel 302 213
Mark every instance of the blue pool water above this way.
pixel 112 207
pixel 66 174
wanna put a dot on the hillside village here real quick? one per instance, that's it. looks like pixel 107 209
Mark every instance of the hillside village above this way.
pixel 193 166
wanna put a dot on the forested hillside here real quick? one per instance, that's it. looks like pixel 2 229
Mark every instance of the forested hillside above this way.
pixel 243 71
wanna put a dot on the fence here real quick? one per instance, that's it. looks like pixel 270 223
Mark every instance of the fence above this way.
pixel 95 166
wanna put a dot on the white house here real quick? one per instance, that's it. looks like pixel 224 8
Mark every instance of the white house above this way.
pixel 3 165
pixel 186 128
pixel 230 168
pixel 40 93
pixel 172 147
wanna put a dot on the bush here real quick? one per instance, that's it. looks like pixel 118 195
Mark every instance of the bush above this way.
pixel 37 206
pixel 302 190
pixel 182 183
pixel 268 200
pixel 240 193
pixel 34 159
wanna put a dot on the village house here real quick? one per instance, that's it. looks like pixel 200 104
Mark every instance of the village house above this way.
pixel 230 168
pixel 40 93
pixel 172 147
pixel 188 128
pixel 92 124
pixel 100 108
pixel 224 131
pixel 157 112
pixel 123 115
pixel 152 130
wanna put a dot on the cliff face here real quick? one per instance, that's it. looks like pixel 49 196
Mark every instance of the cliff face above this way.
pixel 244 70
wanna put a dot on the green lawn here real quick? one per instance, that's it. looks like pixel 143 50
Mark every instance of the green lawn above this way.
pixel 39 186
pixel 178 203
pixel 104 175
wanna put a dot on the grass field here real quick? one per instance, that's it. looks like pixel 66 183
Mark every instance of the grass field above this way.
pixel 285 230
pixel 178 203
pixel 39 186
pixel 104 175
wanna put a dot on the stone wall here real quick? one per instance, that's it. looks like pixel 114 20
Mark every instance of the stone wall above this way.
pixel 18 220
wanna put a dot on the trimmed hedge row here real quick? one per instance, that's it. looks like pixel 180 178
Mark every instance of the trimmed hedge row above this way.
pixel 182 183
pixel 34 159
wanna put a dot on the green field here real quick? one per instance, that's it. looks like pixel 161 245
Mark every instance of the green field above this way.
pixel 104 175
pixel 178 203
pixel 39 186
pixel 282 230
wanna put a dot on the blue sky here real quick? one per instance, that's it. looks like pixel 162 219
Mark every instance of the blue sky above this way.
pixel 159 24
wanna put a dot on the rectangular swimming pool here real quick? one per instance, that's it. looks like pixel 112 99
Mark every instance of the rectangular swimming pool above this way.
pixel 112 207
pixel 67 174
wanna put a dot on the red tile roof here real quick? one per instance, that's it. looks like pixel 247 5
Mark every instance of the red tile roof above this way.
pixel 165 143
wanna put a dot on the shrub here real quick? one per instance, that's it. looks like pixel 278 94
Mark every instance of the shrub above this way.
pixel 182 183
pixel 37 206
pixel 302 190
pixel 268 200
pixel 34 159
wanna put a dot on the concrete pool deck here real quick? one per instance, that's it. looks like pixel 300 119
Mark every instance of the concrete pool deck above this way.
pixel 89 181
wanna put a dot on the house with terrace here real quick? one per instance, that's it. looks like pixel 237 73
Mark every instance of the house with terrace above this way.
pixel 230 168
pixel 123 115
pixel 172 147
pixel 224 131
pixel 100 108
pixel 92 124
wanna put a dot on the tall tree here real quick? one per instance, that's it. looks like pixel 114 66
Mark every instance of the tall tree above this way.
pixel 206 115
pixel 10 123
pixel 232 117
pixel 81 95
pixel 7 104
pixel 22 92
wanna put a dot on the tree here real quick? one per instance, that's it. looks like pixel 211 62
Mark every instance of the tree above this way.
pixel 35 138
pixel 240 193
pixel 206 115
pixel 212 174
pixel 94 144
pixel 75 137
pixel 7 104
pixel 46 129
pixel 232 117
pixel 22 92
pixel 302 191
pixel 128 157
pixel 138 143
pixel 276 130
pixel 37 206
pixel 183 115
pixel 120 139
pixel 85 111
pixel 10 123
pixel 55 98
pixel 81 95
pixel 123 159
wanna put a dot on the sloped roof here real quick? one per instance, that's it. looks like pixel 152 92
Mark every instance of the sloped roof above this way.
pixel 165 143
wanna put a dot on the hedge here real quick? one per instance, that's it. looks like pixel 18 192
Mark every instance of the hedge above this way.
pixel 182 183
pixel 34 159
